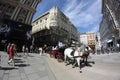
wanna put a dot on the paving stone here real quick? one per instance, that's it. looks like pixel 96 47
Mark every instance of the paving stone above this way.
pixel 0 78
pixel 25 79
pixel 23 75
pixel 42 73
pixel 1 73
pixel 44 78
pixel 21 70
pixel 29 70
pixel 14 73
pixel 14 78
pixel 33 76
pixel 5 77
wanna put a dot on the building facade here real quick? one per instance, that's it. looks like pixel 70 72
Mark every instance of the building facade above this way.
pixel 98 42
pixel 91 38
pixel 53 26
pixel 83 38
pixel 110 24
pixel 15 20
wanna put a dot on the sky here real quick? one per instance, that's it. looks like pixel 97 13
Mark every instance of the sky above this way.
pixel 84 14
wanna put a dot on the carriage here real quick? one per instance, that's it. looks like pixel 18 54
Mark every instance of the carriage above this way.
pixel 77 55
pixel 58 53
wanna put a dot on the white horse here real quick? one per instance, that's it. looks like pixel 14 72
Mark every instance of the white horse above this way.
pixel 76 55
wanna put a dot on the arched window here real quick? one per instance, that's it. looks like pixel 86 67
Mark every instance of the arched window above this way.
pixel 20 19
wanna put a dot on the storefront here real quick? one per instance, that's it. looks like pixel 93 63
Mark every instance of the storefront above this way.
pixel 14 32
pixel 110 42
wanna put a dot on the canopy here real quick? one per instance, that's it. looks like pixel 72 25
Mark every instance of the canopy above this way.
pixel 110 40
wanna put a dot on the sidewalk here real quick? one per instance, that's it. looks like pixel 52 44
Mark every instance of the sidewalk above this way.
pixel 34 67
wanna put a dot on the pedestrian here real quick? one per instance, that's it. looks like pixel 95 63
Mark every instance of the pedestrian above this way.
pixel 23 50
pixel 8 48
pixel 31 49
pixel 40 50
pixel 102 49
pixel 15 49
pixel 44 48
pixel 26 50
pixel 0 59
pixel 54 51
pixel 118 47
pixel 11 54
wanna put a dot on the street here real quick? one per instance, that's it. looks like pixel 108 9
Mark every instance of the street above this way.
pixel 106 67
pixel 36 67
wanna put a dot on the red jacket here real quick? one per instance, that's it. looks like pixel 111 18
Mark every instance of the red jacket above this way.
pixel 11 51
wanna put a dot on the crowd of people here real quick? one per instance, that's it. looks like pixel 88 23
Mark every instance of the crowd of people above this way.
pixel 12 52
pixel 110 49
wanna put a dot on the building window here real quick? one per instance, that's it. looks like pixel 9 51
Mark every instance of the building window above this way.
pixel 40 20
pixel 53 24
pixel 55 13
pixel 24 12
pixel 45 18
pixel 7 16
pixel 10 9
pixel 20 20
pixel 0 6
pixel 3 7
pixel 36 22
pixel 28 3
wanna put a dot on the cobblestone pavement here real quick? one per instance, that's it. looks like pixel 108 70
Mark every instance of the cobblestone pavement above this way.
pixel 33 67
pixel 36 67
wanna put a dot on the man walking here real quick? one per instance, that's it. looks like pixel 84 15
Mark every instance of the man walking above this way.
pixel 40 50
pixel 23 49
pixel 8 49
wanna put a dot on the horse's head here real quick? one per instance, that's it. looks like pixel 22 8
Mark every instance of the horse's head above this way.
pixel 82 50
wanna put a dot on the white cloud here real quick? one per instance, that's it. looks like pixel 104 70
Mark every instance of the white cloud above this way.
pixel 94 28
pixel 83 13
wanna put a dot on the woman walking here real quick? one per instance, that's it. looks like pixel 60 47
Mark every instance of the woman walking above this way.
pixel 11 54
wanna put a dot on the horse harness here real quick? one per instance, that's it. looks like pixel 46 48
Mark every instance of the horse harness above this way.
pixel 72 53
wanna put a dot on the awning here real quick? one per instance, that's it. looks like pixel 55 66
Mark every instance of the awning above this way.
pixel 110 40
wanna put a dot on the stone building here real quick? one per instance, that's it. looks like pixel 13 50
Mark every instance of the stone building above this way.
pixel 83 38
pixel 53 26
pixel 91 38
pixel 110 24
pixel 15 20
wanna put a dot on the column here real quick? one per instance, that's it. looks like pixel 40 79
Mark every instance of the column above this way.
pixel 28 17
pixel 15 13
pixel 33 3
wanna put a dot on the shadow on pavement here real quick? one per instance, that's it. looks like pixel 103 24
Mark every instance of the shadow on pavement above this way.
pixel 88 64
pixel 22 65
pixel 19 61
pixel 7 68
